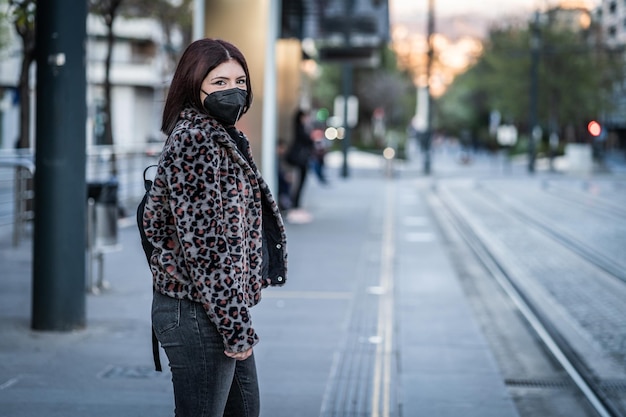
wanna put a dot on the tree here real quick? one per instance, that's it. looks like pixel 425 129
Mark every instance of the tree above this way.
pixel 381 87
pixel 171 17
pixel 175 17
pixel 22 13
pixel 108 10
pixel 388 88
pixel 464 108
pixel 576 76
pixel 4 24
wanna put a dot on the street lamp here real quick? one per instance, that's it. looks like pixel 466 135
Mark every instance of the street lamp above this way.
pixel 416 54
pixel 534 129
pixel 427 140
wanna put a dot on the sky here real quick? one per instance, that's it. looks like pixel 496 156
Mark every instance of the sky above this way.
pixel 488 8
pixel 480 13
pixel 459 25
pixel 447 7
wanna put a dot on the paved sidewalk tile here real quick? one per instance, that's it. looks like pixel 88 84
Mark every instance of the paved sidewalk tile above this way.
pixel 320 347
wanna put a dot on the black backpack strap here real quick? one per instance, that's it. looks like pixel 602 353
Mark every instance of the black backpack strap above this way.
pixel 155 352
pixel 146 182
pixel 148 248
pixel 145 243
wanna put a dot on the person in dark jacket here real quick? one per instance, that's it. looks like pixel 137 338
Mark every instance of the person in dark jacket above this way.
pixel 217 233
pixel 299 156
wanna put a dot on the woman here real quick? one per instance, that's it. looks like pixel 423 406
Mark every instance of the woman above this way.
pixel 217 233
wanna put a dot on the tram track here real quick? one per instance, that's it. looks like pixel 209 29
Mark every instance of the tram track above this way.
pixel 536 220
pixel 578 371
pixel 581 198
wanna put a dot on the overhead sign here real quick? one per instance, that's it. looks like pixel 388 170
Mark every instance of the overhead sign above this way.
pixel 351 31
pixel 353 110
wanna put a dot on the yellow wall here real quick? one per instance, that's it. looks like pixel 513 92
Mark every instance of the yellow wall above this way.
pixel 288 60
pixel 245 24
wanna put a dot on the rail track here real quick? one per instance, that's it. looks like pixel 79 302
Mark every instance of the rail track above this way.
pixel 556 256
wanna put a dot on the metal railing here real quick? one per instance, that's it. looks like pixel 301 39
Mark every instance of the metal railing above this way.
pixel 17 189
pixel 17 172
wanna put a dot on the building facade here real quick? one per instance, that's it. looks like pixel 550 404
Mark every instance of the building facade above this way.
pixel 139 74
pixel 612 17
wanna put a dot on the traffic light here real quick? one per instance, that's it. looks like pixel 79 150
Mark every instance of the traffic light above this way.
pixel 594 128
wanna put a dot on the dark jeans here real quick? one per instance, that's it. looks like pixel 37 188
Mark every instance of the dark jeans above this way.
pixel 207 383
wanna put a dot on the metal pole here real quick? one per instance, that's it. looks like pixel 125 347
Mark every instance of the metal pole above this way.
pixel 198 19
pixel 346 81
pixel 269 162
pixel 19 208
pixel 429 66
pixel 534 76
pixel 60 192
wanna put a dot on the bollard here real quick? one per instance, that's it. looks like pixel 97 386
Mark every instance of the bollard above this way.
pixel 105 199
pixel 102 230
pixel 389 155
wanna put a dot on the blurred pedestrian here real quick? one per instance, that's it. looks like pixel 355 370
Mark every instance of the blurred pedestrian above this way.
pixel 217 234
pixel 284 180
pixel 319 155
pixel 299 156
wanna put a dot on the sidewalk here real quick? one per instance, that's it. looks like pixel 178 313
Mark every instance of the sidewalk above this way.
pixel 372 317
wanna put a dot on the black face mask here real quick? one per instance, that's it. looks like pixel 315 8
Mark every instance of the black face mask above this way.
pixel 226 105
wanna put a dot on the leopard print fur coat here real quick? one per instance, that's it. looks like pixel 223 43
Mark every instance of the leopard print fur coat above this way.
pixel 217 231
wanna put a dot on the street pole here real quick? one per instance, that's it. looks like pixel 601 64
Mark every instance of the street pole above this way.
pixel 59 266
pixel 427 140
pixel 535 41
pixel 346 84
pixel 346 81
pixel 198 29
pixel 270 98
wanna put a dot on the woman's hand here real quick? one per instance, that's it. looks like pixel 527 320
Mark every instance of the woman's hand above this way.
pixel 240 356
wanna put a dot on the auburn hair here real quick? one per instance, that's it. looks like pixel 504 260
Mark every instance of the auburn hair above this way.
pixel 198 59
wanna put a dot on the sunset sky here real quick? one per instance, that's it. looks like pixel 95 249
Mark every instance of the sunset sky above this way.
pixel 489 8
pixel 459 26
pixel 474 16
pixel 407 8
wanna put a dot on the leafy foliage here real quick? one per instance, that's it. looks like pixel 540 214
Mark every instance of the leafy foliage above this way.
pixel 387 88
pixel 382 87
pixel 108 10
pixel 576 75
pixel 175 17
pixel 22 14
pixel 4 24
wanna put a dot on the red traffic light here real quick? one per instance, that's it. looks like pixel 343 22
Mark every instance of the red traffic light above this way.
pixel 594 128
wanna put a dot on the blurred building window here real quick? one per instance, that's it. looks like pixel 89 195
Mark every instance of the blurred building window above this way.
pixel 143 51
pixel 612 31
